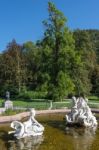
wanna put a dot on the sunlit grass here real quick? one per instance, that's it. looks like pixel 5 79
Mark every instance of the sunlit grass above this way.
pixel 38 104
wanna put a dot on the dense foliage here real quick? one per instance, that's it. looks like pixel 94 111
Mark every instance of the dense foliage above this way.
pixel 63 62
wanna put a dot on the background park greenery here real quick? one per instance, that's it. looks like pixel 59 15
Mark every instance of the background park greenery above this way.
pixel 62 63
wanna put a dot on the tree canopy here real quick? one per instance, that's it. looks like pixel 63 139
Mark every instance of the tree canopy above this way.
pixel 63 62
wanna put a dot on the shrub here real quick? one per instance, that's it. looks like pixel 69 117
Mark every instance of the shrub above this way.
pixel 30 95
pixel 9 112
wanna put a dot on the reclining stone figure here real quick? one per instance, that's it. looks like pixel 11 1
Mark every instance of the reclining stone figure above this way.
pixel 29 128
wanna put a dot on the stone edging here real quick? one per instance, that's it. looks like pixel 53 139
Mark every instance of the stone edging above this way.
pixel 5 119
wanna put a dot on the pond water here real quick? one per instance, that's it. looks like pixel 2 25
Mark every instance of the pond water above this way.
pixel 56 137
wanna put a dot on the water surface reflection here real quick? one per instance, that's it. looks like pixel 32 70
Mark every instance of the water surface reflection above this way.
pixel 56 137
pixel 82 138
pixel 27 143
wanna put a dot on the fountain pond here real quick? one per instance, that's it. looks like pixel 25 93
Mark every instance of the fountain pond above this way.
pixel 56 136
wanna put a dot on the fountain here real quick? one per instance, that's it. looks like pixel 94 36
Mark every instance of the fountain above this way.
pixel 81 113
pixel 55 136
pixel 29 128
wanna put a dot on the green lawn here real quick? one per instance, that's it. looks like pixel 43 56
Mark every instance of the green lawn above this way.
pixel 38 104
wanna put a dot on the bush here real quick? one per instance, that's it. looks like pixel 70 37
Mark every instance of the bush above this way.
pixel 12 89
pixel 9 112
pixel 30 95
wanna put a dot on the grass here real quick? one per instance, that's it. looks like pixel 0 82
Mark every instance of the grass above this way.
pixel 37 105
pixel 57 105
pixel 93 98
pixel 9 112
pixel 41 104
pixel 94 105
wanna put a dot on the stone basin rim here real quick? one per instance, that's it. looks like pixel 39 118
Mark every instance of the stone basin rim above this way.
pixel 20 116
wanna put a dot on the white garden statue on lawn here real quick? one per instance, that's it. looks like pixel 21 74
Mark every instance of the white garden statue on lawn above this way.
pixel 81 113
pixel 29 128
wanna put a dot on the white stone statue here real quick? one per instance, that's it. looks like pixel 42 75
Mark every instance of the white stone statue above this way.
pixel 29 128
pixel 81 113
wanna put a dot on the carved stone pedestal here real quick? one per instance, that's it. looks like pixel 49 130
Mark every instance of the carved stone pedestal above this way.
pixel 8 104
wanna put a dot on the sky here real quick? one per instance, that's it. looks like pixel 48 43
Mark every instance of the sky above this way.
pixel 22 19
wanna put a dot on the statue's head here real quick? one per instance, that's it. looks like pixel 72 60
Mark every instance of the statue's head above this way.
pixel 73 97
pixel 32 112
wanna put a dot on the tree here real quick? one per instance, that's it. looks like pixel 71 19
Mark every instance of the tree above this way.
pixel 95 81
pixel 83 46
pixel 32 56
pixel 94 37
pixel 58 54
pixel 12 67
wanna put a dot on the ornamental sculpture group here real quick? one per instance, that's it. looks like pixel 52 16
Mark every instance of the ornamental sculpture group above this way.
pixel 80 114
